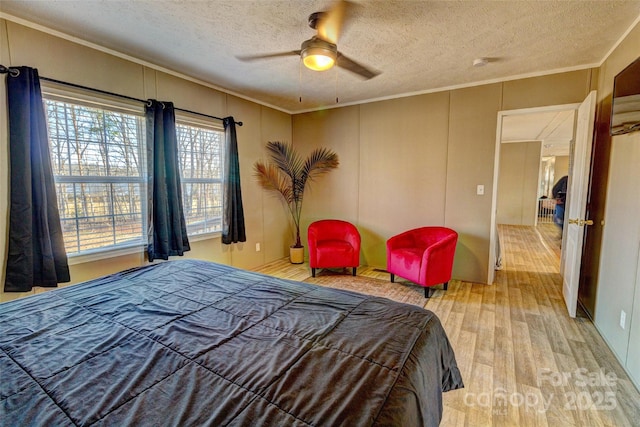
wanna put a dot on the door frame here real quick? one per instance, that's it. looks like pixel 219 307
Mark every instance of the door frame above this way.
pixel 496 172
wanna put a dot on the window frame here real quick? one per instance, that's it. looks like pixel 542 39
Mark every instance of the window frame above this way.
pixel 193 120
pixel 63 93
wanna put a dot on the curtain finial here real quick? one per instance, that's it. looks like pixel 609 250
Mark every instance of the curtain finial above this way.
pixel 13 72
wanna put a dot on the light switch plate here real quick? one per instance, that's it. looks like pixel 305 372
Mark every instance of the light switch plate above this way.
pixel 480 190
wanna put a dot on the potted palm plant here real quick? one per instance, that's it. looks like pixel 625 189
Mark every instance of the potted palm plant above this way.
pixel 287 176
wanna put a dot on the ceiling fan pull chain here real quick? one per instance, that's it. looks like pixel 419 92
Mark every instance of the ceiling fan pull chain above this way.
pixel 336 68
pixel 300 80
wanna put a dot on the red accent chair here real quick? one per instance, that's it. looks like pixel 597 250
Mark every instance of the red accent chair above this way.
pixel 333 243
pixel 423 255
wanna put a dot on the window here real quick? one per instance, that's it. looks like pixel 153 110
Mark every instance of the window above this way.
pixel 98 162
pixel 98 156
pixel 200 149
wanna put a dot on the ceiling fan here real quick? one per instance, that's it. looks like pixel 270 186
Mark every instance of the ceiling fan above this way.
pixel 320 52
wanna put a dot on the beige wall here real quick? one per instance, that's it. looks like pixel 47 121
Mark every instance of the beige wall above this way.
pixel 392 196
pixel 334 195
pixel 618 287
pixel 417 161
pixel 518 182
pixel 60 59
pixel 561 167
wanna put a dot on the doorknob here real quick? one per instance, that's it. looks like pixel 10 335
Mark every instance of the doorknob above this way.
pixel 578 221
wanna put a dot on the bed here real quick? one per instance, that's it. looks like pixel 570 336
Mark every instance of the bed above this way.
pixel 197 343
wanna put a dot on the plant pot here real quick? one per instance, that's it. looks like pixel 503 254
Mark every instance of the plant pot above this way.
pixel 296 255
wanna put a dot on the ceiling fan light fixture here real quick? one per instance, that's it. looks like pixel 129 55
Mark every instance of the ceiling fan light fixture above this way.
pixel 318 61
pixel 318 54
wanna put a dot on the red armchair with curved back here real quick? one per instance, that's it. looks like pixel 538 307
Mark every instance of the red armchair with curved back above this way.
pixel 333 243
pixel 423 255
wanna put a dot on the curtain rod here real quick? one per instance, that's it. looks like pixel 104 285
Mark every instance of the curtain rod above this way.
pixel 5 70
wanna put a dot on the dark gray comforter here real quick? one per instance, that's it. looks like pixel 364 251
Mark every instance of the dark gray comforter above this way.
pixel 196 343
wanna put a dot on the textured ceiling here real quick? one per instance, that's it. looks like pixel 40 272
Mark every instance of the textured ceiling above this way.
pixel 419 46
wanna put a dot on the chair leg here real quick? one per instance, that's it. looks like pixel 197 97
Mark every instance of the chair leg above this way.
pixel 446 285
pixel 313 272
pixel 427 292
pixel 354 271
pixel 392 277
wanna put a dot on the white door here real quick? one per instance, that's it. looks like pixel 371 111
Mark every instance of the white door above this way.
pixel 574 220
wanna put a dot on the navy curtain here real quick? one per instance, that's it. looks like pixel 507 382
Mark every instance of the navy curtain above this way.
pixel 36 254
pixel 167 232
pixel 233 216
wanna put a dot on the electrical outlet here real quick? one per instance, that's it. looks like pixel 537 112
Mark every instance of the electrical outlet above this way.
pixel 623 319
pixel 257 247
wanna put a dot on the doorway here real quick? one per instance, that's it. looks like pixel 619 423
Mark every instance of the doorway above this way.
pixel 528 143
pixel 580 150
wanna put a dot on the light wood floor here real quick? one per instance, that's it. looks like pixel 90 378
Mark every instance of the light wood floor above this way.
pixel 524 361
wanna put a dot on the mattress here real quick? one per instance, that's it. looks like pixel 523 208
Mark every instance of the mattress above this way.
pixel 197 343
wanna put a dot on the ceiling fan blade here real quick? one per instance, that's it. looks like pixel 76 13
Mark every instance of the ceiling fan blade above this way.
pixel 332 23
pixel 267 55
pixel 356 68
